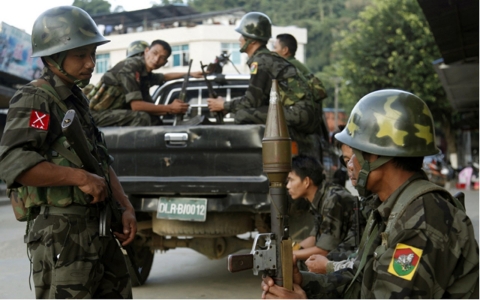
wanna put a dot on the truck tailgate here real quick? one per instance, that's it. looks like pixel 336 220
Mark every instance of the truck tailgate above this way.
pixel 204 159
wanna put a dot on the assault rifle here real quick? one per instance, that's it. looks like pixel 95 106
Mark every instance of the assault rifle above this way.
pixel 111 213
pixel 211 93
pixel 183 94
pixel 275 256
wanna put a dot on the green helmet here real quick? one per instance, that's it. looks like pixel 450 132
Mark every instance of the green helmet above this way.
pixel 136 47
pixel 63 28
pixel 255 25
pixel 390 123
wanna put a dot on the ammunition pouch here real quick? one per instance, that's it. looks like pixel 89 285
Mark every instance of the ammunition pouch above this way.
pixel 22 213
pixel 104 97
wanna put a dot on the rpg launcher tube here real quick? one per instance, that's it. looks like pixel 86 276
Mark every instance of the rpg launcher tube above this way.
pixel 277 163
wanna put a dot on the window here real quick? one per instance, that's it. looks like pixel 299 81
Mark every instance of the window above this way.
pixel 103 63
pixel 232 49
pixel 181 56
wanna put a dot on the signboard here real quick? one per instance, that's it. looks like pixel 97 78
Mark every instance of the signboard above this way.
pixel 15 52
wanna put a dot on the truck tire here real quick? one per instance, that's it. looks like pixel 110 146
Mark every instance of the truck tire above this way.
pixel 143 258
pixel 217 224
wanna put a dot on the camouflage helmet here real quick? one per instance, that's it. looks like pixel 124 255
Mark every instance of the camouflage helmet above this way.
pixel 63 28
pixel 136 47
pixel 390 123
pixel 255 25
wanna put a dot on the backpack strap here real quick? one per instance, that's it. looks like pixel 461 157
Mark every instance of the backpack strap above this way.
pixel 47 88
pixel 57 145
pixel 414 190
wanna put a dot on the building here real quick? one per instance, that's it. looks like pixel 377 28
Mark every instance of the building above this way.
pixel 192 35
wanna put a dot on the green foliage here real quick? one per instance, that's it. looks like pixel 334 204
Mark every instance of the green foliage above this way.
pixel 390 46
pixel 93 7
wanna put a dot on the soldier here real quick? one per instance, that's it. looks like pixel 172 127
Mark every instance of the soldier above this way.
pixel 332 206
pixel 286 47
pixel 419 243
pixel 302 111
pixel 122 97
pixel 136 48
pixel 320 264
pixel 69 259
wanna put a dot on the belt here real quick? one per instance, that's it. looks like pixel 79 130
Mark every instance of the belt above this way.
pixel 73 209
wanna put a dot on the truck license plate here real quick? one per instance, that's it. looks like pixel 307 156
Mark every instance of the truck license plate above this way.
pixel 185 209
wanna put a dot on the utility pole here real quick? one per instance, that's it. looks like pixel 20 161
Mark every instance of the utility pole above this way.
pixel 336 81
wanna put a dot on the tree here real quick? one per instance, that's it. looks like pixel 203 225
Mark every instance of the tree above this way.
pixel 391 46
pixel 93 7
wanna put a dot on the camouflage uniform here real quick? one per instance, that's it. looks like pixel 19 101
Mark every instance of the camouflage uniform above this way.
pixel 64 241
pixel 333 211
pixel 301 67
pixel 418 243
pixel 448 266
pixel 302 114
pixel 131 81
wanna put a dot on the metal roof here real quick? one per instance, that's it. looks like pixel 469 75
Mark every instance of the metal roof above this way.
pixel 160 14
pixel 138 17
pixel 454 25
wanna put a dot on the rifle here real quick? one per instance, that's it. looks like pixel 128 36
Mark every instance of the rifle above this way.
pixel 211 93
pixel 275 257
pixel 111 213
pixel 183 93
pixel 357 222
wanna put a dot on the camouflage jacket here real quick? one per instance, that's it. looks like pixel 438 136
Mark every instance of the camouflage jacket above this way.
pixel 134 81
pixel 333 209
pixel 33 125
pixel 431 252
pixel 301 112
pixel 301 67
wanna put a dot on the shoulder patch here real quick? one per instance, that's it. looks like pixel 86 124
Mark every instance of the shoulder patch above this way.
pixel 39 120
pixel 253 68
pixel 405 261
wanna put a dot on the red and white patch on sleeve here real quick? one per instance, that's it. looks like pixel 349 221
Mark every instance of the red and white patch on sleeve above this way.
pixel 39 120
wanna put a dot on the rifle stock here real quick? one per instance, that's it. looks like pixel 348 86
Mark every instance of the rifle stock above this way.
pixel 111 213
pixel 183 93
pixel 211 93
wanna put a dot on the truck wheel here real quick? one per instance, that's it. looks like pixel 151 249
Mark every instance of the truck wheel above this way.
pixel 143 258
pixel 217 224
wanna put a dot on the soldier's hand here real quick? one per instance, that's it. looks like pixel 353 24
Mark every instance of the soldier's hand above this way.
pixel 317 264
pixel 197 74
pixel 272 291
pixel 297 276
pixel 95 186
pixel 215 104
pixel 129 227
pixel 178 107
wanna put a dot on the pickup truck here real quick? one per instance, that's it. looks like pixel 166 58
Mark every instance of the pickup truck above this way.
pixel 197 184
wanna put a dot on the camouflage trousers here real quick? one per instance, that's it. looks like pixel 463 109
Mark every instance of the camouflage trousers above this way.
pixel 70 260
pixel 124 117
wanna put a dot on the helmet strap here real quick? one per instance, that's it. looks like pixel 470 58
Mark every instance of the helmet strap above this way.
pixel 58 66
pixel 367 167
pixel 248 41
